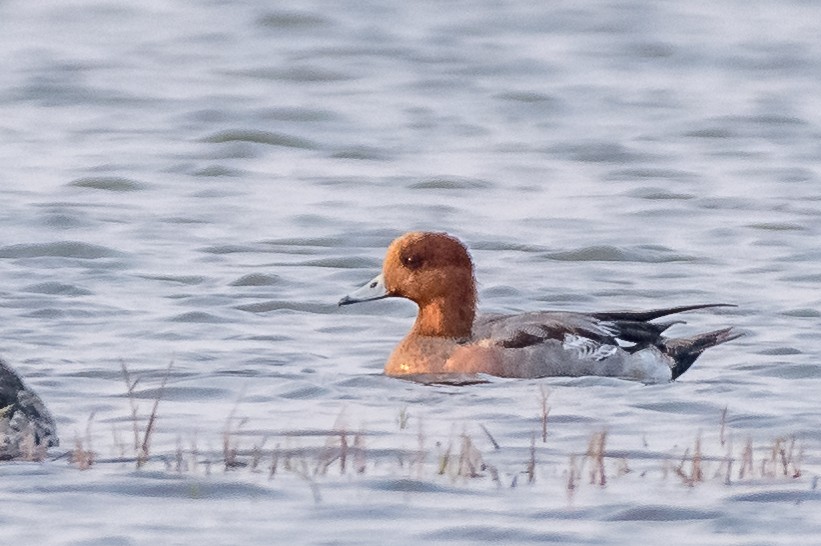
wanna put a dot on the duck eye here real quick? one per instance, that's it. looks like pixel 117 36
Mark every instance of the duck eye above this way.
pixel 412 261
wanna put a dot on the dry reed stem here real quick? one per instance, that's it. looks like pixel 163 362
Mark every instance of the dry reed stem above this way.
pixel 119 445
pixel 230 452
pixel 470 459
pixel 179 460
pixel 782 459
pixel 680 468
pixel 494 473
pixel 746 460
pixel 82 454
pixel 272 470
pixel 256 457
pixel 727 463
pixel 531 464
pixel 143 454
pixel 595 453
pixel 490 437
pixel 696 470
pixel 130 386
pixel 194 454
pixel 797 461
pixel 302 473
pixel 403 418
pixel 545 393
pixel 468 462
pixel 696 474
pixel 722 426
pixel 572 478
pixel 333 452
pixel 142 446
pixel 444 459
pixel 82 457
pixel 360 461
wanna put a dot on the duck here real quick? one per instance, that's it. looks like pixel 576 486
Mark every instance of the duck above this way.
pixel 435 271
pixel 27 429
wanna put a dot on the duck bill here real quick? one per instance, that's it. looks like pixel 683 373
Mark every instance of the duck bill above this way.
pixel 373 290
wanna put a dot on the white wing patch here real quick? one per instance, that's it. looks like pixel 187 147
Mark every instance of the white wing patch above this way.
pixel 607 328
pixel 588 349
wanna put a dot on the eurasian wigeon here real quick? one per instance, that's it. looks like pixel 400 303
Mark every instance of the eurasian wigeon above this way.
pixel 435 271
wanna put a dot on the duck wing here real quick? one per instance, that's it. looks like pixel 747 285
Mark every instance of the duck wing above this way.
pixel 598 336
pixel 522 330
pixel 527 329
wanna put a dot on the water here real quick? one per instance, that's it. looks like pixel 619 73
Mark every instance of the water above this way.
pixel 199 183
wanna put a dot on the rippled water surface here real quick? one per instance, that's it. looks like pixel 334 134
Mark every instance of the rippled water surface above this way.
pixel 197 183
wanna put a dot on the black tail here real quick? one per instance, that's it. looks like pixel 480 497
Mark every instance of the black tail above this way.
pixel 686 350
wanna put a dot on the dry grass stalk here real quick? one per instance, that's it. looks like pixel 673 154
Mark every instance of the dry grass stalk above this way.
pixel 490 437
pixel 336 447
pixel 596 453
pixel 680 468
pixel 119 445
pixel 545 393
pixel 340 435
pixel 624 467
pixel 82 455
pixel 328 456
pixel 746 460
pixel 494 473
pixel 343 451
pixel 142 446
pixel 179 460
pixel 195 453
pixel 782 459
pixel 531 464
pixel 467 464
pixel 791 460
pixel 444 459
pixel 696 470
pixel 143 454
pixel 797 460
pixel 727 464
pixel 272 470
pixel 229 450
pixel 302 473
pixel 696 474
pixel 723 426
pixel 256 457
pixel 470 459
pixel 403 418
pixel 572 478
pixel 359 459
pixel 130 386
